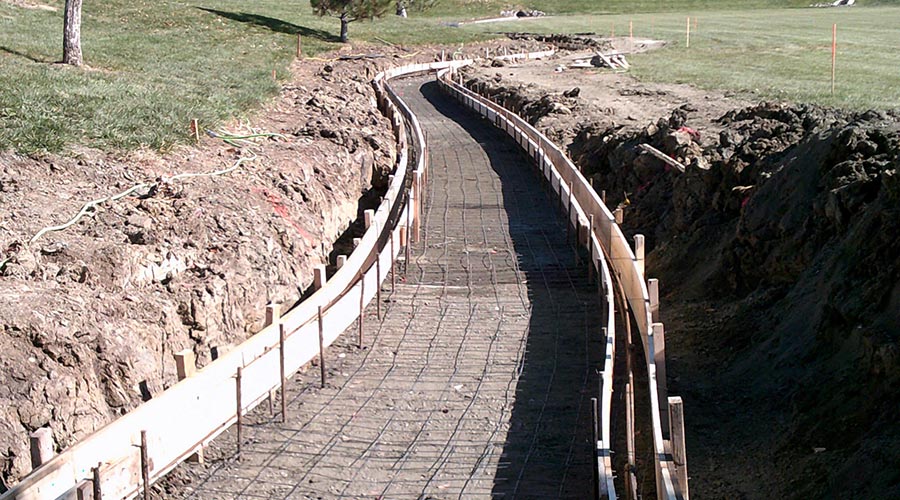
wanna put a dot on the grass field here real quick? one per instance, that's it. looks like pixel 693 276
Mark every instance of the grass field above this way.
pixel 780 54
pixel 155 65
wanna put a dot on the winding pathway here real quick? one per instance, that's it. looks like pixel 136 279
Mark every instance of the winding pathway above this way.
pixel 476 384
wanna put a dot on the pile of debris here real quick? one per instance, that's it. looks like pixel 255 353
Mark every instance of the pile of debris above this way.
pixel 836 3
pixel 522 13
pixel 614 60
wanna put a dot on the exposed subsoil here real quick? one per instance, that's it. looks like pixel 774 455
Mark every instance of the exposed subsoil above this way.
pixel 91 315
pixel 778 255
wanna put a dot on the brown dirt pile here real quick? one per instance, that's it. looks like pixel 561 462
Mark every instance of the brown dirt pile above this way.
pixel 780 263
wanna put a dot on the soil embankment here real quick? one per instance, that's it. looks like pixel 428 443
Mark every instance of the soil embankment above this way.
pixel 90 316
pixel 777 252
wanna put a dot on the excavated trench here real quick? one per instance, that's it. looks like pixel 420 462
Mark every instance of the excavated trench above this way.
pixel 777 253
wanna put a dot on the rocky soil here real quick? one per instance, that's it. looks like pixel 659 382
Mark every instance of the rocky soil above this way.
pixel 91 315
pixel 779 260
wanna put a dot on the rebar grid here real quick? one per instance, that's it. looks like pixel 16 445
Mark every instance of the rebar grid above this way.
pixel 477 383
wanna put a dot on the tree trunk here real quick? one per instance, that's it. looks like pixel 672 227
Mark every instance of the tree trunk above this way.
pixel 72 33
pixel 345 24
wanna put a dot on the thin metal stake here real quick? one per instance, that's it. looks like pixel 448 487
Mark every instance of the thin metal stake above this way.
pixel 145 466
pixel 281 337
pixel 590 251
pixel 238 409
pixel 393 266
pixel 98 491
pixel 362 309
pixel 321 348
pixel 378 284
pixel 595 416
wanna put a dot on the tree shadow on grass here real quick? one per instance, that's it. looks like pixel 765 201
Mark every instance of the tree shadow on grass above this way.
pixel 22 54
pixel 276 25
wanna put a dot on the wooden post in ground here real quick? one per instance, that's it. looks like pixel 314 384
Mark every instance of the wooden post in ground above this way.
pixel 185 363
pixel 273 313
pixel 299 45
pixel 145 466
pixel 319 277
pixel 321 347
pixel 653 291
pixel 687 42
pixel 679 452
pixel 195 130
pixel 41 442
pixel 659 357
pixel 833 55
pixel 639 252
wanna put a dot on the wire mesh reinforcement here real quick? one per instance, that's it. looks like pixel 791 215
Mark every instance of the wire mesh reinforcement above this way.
pixel 478 381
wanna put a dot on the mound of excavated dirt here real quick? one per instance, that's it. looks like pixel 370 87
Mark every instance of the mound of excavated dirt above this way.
pixel 779 259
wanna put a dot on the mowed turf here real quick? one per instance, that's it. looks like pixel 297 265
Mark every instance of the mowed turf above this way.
pixel 155 65
pixel 782 54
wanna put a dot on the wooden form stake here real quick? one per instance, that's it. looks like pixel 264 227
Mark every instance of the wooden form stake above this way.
pixel 369 217
pixel 299 45
pixel 145 466
pixel 195 130
pixel 185 363
pixel 653 291
pixel 687 42
pixel 41 442
pixel 321 347
pixel 619 215
pixel 281 337
pixel 659 356
pixel 639 252
pixel 273 313
pixel 679 453
pixel 319 277
pixel 341 261
pixel 833 55
pixel 238 407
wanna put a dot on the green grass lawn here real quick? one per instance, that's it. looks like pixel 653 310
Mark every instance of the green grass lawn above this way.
pixel 768 53
pixel 154 65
